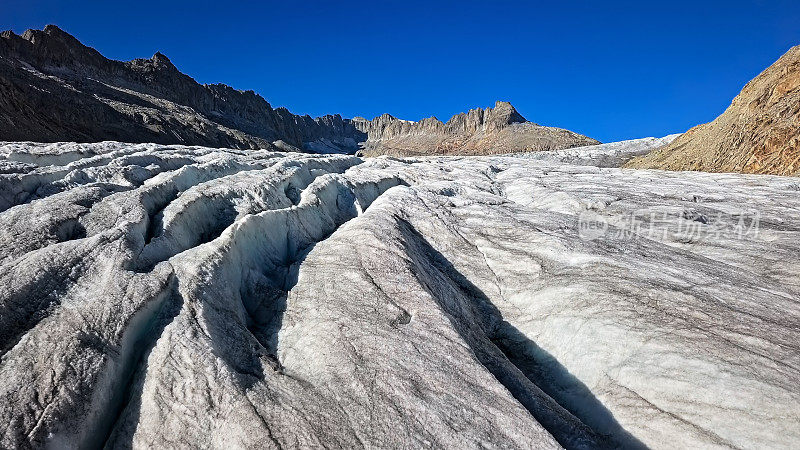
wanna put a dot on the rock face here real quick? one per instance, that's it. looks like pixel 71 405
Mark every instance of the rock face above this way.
pixel 171 296
pixel 478 132
pixel 53 88
pixel 758 133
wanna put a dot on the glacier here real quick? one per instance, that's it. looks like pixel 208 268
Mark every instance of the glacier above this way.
pixel 179 296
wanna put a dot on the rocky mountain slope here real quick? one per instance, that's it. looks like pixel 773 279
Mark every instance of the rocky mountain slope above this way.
pixel 758 133
pixel 53 88
pixel 172 296
pixel 478 132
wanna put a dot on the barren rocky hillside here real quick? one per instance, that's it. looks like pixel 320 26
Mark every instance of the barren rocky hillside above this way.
pixel 53 88
pixel 478 132
pixel 758 133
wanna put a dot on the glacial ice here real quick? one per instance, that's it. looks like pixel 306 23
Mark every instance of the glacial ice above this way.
pixel 177 296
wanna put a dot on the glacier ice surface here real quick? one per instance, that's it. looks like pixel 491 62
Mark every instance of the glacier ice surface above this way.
pixel 195 297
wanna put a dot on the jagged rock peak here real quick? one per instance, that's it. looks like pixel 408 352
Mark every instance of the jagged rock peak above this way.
pixel 161 59
pixel 54 32
pixel 52 46
pixel 507 111
pixel 502 112
pixel 489 119
pixel 478 119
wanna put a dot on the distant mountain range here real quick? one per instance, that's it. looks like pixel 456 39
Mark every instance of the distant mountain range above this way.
pixel 54 88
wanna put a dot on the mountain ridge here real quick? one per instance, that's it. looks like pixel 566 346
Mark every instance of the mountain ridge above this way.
pixel 57 89
pixel 224 116
pixel 494 130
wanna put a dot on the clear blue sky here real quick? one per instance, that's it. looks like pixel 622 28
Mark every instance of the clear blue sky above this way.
pixel 611 70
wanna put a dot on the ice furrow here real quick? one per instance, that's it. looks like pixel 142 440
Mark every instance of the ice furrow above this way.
pixel 115 386
pixel 62 154
pixel 477 320
pixel 205 210
pixel 243 276
pixel 128 167
pixel 127 170
pixel 269 247
pixel 27 298
pixel 555 381
pixel 140 207
pixel 57 219
pixel 378 328
pixel 106 335
pixel 22 310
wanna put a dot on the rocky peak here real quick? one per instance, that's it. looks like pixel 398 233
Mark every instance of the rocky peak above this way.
pixel 55 31
pixel 52 47
pixel 489 119
pixel 504 112
pixel 160 60
pixel 498 129
pixel 473 121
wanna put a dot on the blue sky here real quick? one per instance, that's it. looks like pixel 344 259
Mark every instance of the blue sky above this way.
pixel 610 70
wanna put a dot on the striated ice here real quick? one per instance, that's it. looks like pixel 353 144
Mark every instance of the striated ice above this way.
pixel 169 296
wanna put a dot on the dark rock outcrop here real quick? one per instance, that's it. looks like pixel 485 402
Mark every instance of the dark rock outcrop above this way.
pixel 53 88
